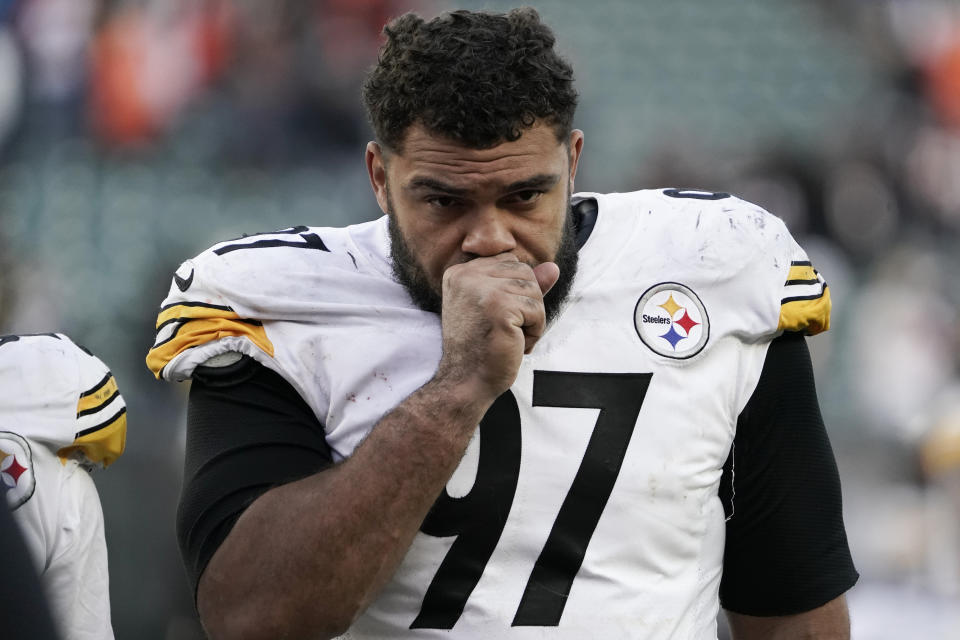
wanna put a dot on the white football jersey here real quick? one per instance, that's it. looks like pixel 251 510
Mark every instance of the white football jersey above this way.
pixel 60 415
pixel 586 504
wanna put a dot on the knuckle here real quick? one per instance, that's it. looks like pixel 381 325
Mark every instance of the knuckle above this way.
pixel 522 283
pixel 534 304
pixel 514 266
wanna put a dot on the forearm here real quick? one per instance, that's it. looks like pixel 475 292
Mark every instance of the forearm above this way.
pixel 828 622
pixel 306 557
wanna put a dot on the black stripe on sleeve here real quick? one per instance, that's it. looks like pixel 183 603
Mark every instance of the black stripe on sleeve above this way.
pixel 102 425
pixel 99 407
pixel 815 296
pixel 219 307
pixel 184 321
pixel 92 390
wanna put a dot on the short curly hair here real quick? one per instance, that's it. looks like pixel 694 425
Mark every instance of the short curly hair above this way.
pixel 474 77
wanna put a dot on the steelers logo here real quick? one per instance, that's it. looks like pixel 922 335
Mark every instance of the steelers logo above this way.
pixel 671 320
pixel 16 469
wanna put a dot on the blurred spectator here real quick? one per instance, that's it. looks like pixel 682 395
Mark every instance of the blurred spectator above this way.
pixel 148 61
pixel 55 34
pixel 11 81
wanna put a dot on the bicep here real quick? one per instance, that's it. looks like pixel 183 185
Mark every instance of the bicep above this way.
pixel 248 431
pixel 830 621
pixel 786 550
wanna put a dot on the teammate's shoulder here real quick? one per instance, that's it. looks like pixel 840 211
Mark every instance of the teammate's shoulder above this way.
pixel 57 393
pixel 22 354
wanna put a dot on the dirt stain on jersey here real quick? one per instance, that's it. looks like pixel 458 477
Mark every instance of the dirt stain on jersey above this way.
pixel 380 375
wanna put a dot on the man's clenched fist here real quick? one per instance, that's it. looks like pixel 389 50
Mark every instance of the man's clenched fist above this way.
pixel 492 314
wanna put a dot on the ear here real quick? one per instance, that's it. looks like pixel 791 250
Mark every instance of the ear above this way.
pixel 377 172
pixel 576 146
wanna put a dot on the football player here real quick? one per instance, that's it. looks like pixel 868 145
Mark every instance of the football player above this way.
pixel 503 410
pixel 61 415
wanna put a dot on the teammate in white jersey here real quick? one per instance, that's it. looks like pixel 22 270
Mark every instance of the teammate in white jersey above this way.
pixel 649 443
pixel 61 415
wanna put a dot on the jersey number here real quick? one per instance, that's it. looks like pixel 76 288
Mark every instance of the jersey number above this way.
pixel 309 241
pixel 478 518
pixel 696 195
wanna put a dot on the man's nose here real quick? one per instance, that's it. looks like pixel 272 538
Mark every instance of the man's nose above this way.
pixel 488 233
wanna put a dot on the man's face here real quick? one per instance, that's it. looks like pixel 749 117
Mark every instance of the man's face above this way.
pixel 449 204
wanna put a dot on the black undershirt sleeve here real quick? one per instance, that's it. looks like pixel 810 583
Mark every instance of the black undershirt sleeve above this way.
pixel 786 550
pixel 248 430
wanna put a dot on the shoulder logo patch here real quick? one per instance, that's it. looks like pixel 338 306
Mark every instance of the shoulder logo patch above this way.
pixel 16 469
pixel 672 321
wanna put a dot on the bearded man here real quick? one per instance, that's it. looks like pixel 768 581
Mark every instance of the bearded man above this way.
pixel 504 410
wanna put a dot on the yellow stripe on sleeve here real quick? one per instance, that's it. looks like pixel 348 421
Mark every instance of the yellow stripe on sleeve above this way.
pixel 200 325
pixel 811 316
pixel 101 444
pixel 191 310
pixel 96 398
pixel 801 272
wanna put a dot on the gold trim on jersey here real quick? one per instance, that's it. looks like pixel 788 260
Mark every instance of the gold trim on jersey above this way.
pixel 802 273
pixel 806 303
pixel 98 396
pixel 102 443
pixel 811 315
pixel 198 323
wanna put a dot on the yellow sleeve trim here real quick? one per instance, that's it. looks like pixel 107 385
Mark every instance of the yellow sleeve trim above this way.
pixel 102 444
pixel 811 316
pixel 194 310
pixel 199 325
pixel 93 400
pixel 802 272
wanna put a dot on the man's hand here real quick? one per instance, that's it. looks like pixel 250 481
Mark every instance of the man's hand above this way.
pixel 492 314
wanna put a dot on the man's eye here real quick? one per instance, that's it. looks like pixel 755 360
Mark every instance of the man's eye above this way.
pixel 526 197
pixel 444 202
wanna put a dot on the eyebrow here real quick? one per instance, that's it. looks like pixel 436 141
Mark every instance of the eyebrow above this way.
pixel 430 184
pixel 541 181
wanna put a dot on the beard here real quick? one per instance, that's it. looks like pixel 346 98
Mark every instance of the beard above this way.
pixel 411 274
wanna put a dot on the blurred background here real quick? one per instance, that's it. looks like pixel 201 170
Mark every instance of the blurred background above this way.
pixel 135 133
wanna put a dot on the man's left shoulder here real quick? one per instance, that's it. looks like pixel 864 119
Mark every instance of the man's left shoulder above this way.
pixel 736 254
